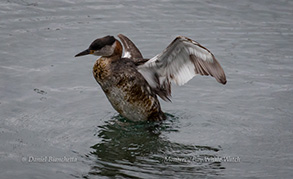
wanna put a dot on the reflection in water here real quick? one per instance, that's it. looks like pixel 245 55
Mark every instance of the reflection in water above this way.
pixel 131 149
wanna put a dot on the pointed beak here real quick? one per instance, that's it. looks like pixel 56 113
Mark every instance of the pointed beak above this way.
pixel 86 52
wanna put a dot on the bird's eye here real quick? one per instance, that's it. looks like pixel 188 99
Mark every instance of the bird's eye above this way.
pixel 92 51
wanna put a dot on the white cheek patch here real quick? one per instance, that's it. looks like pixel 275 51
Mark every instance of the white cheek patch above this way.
pixel 97 53
pixel 105 51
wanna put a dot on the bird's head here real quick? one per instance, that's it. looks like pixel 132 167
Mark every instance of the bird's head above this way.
pixel 106 47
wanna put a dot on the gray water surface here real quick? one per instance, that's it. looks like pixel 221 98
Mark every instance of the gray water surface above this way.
pixel 57 123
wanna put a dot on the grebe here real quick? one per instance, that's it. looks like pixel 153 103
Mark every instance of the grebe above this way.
pixel 132 83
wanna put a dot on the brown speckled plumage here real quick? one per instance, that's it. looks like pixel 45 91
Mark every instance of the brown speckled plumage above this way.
pixel 132 84
pixel 126 88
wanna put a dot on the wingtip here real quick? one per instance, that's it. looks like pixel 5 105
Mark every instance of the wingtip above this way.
pixel 120 35
pixel 221 80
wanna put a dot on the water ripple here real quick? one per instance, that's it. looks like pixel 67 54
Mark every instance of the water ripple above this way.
pixel 132 149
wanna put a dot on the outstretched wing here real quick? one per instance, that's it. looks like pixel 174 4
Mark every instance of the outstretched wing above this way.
pixel 130 50
pixel 179 62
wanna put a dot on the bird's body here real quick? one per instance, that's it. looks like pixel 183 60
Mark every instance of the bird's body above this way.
pixel 132 84
pixel 127 90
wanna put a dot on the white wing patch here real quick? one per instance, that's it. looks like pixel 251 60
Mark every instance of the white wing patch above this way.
pixel 179 62
pixel 184 74
pixel 127 55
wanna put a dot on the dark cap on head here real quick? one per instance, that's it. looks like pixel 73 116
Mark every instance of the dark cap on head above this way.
pixel 102 42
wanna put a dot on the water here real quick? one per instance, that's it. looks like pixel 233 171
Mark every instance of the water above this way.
pixel 57 123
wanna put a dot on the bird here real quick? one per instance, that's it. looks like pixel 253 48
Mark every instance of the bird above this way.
pixel 133 83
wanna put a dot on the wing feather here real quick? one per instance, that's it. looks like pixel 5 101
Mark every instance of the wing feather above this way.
pixel 131 51
pixel 180 62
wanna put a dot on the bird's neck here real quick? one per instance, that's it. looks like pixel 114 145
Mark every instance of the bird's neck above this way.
pixel 117 54
pixel 102 67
